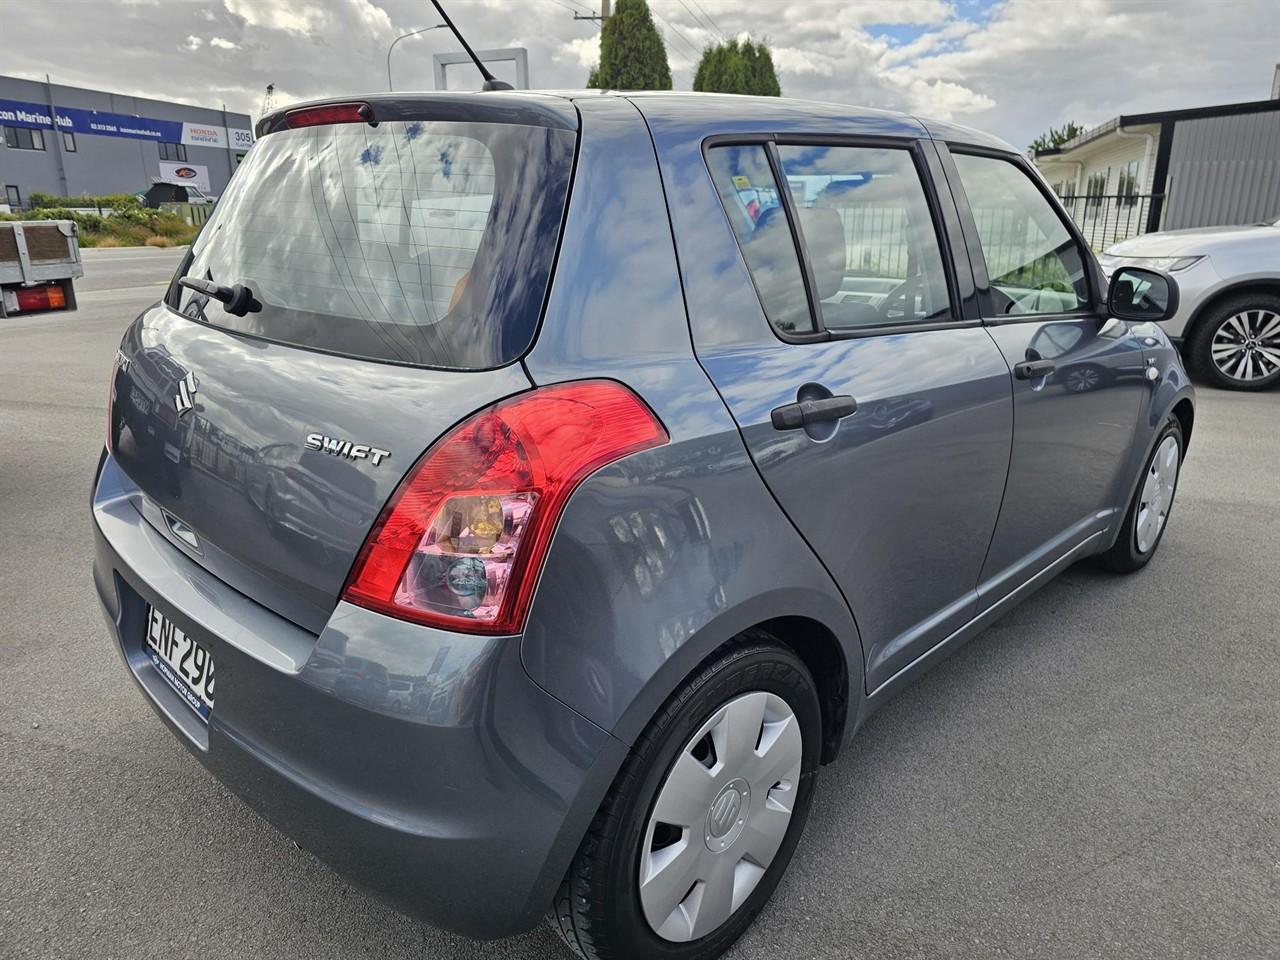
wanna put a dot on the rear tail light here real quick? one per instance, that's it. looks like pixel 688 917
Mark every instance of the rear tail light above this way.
pixel 330 113
pixel 111 403
pixel 462 541
pixel 47 297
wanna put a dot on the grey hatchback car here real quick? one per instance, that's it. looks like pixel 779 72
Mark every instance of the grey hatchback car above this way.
pixel 516 498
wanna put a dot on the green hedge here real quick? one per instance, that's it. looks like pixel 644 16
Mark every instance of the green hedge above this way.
pixel 108 201
pixel 128 226
pixel 87 222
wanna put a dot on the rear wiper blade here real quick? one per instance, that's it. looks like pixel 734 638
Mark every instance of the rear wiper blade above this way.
pixel 237 299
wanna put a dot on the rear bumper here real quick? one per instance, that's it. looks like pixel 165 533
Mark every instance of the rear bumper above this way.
pixel 424 766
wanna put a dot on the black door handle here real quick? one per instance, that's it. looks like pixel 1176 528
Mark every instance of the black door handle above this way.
pixel 793 416
pixel 1030 369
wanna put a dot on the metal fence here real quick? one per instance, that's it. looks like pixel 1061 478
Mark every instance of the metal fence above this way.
pixel 1014 249
pixel 1105 220
pixel 877 239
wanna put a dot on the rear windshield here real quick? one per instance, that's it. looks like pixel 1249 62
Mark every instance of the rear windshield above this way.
pixel 419 242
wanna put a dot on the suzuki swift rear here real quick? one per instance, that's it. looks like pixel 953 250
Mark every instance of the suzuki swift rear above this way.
pixel 477 507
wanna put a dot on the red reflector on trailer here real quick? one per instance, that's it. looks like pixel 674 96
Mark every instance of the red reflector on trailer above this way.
pixel 41 298
pixel 331 113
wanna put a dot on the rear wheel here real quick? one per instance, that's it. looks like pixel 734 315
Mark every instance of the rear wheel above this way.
pixel 704 816
pixel 1236 345
pixel 1148 515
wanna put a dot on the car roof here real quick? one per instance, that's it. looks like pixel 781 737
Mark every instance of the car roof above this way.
pixel 689 105
pixel 554 108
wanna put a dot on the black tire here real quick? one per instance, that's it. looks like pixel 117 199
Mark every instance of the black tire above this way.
pixel 1124 556
pixel 1199 350
pixel 597 910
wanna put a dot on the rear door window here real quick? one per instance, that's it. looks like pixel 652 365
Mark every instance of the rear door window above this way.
pixel 869 235
pixel 417 242
pixel 750 196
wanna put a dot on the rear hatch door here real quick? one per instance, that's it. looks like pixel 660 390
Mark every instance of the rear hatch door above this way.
pixel 401 271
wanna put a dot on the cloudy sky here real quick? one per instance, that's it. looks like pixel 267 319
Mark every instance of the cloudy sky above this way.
pixel 1011 67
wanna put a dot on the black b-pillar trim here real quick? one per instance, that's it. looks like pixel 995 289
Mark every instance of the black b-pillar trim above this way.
pixel 1159 181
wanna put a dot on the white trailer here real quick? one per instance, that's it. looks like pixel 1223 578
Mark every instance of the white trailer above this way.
pixel 39 260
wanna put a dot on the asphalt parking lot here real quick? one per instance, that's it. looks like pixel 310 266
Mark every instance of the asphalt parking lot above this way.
pixel 1098 775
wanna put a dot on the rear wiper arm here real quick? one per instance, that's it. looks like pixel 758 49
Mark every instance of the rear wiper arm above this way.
pixel 237 299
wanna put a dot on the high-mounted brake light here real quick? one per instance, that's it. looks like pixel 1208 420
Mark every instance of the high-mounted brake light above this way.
pixel 331 113
pixel 461 543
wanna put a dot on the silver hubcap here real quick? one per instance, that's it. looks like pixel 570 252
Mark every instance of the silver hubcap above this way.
pixel 1157 494
pixel 1247 346
pixel 720 816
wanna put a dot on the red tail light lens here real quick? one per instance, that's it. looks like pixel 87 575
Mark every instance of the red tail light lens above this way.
pixel 461 543
pixel 331 113
pixel 47 297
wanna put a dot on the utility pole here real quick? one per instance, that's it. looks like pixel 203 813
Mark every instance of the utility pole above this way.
pixel 55 134
pixel 268 101
pixel 602 16
pixel 231 164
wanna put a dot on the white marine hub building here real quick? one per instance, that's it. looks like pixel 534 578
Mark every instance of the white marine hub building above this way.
pixel 110 143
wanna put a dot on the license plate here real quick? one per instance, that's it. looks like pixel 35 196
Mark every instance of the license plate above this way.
pixel 185 665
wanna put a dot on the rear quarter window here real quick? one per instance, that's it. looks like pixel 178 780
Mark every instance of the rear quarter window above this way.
pixel 418 242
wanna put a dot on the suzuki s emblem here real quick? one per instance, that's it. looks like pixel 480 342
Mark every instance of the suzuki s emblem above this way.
pixel 183 400
pixel 724 812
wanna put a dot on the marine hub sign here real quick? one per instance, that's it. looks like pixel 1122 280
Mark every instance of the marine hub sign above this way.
pixel 18 113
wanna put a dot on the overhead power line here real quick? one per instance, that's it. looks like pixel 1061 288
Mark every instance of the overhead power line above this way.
pixel 697 51
pixel 698 21
pixel 589 14
pixel 715 25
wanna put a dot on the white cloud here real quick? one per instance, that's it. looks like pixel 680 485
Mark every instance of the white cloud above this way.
pixel 288 15
pixel 373 16
pixel 582 51
pixel 790 60
pixel 1013 68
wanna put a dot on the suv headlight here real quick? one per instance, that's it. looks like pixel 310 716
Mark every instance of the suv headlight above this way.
pixel 1171 264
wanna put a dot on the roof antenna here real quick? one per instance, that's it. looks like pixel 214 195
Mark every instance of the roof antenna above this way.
pixel 490 81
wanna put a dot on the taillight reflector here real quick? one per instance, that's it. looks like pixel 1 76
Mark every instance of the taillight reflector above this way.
pixel 48 297
pixel 461 543
pixel 331 113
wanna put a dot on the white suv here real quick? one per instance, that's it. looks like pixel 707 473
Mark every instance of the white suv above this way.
pixel 1228 319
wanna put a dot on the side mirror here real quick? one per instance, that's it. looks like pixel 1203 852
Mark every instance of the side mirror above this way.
pixel 1140 294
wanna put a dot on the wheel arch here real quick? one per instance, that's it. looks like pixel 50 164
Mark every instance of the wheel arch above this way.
pixel 1174 396
pixel 1238 288
pixel 815 627
pixel 1185 411
pixel 823 655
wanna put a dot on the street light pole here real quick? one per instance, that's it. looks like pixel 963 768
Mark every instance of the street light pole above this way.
pixel 411 33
